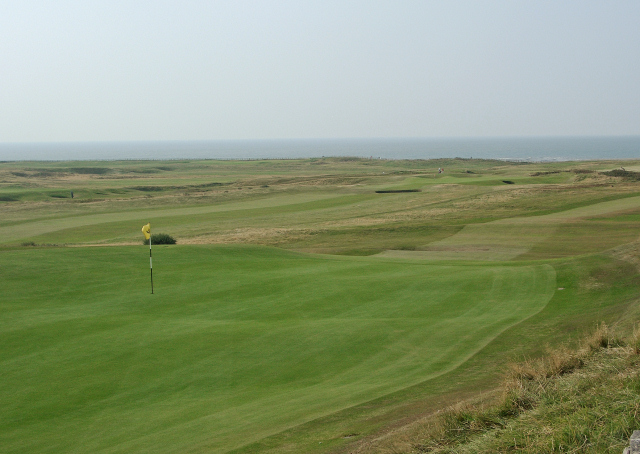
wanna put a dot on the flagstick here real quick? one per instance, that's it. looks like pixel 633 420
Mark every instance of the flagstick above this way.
pixel 150 264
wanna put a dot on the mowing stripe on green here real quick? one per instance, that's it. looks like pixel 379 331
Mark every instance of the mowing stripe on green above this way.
pixel 237 343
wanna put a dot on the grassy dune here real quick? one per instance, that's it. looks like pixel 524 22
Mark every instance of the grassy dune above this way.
pixel 301 311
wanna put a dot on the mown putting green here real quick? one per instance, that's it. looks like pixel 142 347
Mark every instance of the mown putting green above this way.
pixel 236 344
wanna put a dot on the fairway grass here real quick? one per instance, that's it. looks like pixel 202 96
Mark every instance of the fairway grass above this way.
pixel 237 344
pixel 94 227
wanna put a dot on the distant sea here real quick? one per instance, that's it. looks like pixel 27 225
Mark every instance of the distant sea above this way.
pixel 515 149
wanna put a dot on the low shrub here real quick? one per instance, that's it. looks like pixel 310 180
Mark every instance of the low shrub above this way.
pixel 622 173
pixel 160 238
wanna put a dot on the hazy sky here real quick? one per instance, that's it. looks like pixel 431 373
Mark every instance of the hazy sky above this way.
pixel 198 70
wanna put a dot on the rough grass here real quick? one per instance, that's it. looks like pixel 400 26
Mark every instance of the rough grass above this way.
pixel 108 198
pixel 626 174
pixel 582 399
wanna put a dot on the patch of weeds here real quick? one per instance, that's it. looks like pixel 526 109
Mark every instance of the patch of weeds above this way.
pixel 28 244
pixel 5 198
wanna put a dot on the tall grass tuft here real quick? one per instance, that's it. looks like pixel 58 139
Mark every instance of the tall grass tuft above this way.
pixel 634 341
pixel 602 337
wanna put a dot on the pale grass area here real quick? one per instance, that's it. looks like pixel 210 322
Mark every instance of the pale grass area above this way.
pixel 506 239
pixel 629 253
pixel 248 235
pixel 292 234
pixel 596 209
pixel 495 241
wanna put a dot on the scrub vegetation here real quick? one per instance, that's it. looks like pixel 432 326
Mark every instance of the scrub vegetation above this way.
pixel 318 305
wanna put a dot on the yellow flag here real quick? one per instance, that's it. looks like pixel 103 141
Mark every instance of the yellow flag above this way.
pixel 146 231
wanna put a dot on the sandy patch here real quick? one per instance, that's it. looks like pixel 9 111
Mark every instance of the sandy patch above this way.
pixel 473 253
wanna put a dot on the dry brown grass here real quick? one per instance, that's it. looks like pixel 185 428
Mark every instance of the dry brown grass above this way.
pixel 629 253
pixel 250 235
pixel 456 428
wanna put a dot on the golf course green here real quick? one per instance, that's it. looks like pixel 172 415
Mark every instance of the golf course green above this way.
pixel 283 312
pixel 237 343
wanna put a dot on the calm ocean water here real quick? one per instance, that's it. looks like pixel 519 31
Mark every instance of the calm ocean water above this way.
pixel 521 149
